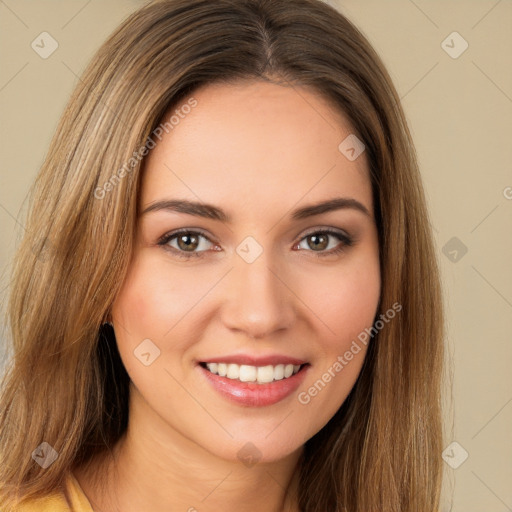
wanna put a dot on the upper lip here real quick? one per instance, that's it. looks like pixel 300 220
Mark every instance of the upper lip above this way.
pixel 272 359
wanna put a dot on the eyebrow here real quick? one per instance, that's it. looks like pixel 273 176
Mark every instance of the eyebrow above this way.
pixel 212 212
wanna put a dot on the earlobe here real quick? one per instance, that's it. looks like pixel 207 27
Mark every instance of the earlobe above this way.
pixel 108 321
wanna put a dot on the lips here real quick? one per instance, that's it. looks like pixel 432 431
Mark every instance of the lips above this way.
pixel 256 360
pixel 254 381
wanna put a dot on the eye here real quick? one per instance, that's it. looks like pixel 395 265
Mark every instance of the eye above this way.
pixel 319 241
pixel 187 242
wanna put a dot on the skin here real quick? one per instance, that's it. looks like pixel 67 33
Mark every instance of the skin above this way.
pixel 258 151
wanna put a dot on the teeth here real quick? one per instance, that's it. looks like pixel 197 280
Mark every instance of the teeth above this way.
pixel 222 369
pixel 265 373
pixel 259 374
pixel 233 371
pixel 279 372
pixel 247 373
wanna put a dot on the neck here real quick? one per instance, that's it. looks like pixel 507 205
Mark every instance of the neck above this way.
pixel 155 468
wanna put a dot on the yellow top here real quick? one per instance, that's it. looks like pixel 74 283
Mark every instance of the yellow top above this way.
pixel 76 501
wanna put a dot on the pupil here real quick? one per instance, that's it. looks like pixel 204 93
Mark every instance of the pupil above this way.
pixel 316 237
pixel 187 244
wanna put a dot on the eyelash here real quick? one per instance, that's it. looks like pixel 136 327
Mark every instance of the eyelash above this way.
pixel 346 240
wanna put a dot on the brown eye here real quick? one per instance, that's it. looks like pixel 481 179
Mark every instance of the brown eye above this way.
pixel 185 243
pixel 323 242
pixel 316 241
pixel 188 242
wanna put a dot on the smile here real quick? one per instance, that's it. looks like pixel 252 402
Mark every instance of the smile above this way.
pixel 254 385
pixel 247 373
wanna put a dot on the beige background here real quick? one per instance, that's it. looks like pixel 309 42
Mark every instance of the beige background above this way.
pixel 460 114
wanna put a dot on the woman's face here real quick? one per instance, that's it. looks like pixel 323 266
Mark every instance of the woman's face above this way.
pixel 262 283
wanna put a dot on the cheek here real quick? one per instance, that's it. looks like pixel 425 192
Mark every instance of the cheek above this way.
pixel 345 303
pixel 154 298
pixel 160 304
pixel 344 299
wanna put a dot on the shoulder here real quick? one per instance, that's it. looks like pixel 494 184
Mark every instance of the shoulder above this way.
pixel 53 503
pixel 72 499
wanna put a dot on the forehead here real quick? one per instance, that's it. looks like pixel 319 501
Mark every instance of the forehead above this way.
pixel 254 145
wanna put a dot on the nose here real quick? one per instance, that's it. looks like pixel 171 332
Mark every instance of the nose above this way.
pixel 258 301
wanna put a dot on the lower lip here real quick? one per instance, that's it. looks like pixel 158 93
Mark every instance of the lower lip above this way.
pixel 252 394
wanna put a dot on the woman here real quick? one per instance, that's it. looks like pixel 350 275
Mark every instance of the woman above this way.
pixel 228 295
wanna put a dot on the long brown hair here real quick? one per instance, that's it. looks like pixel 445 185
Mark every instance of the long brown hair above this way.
pixel 382 449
